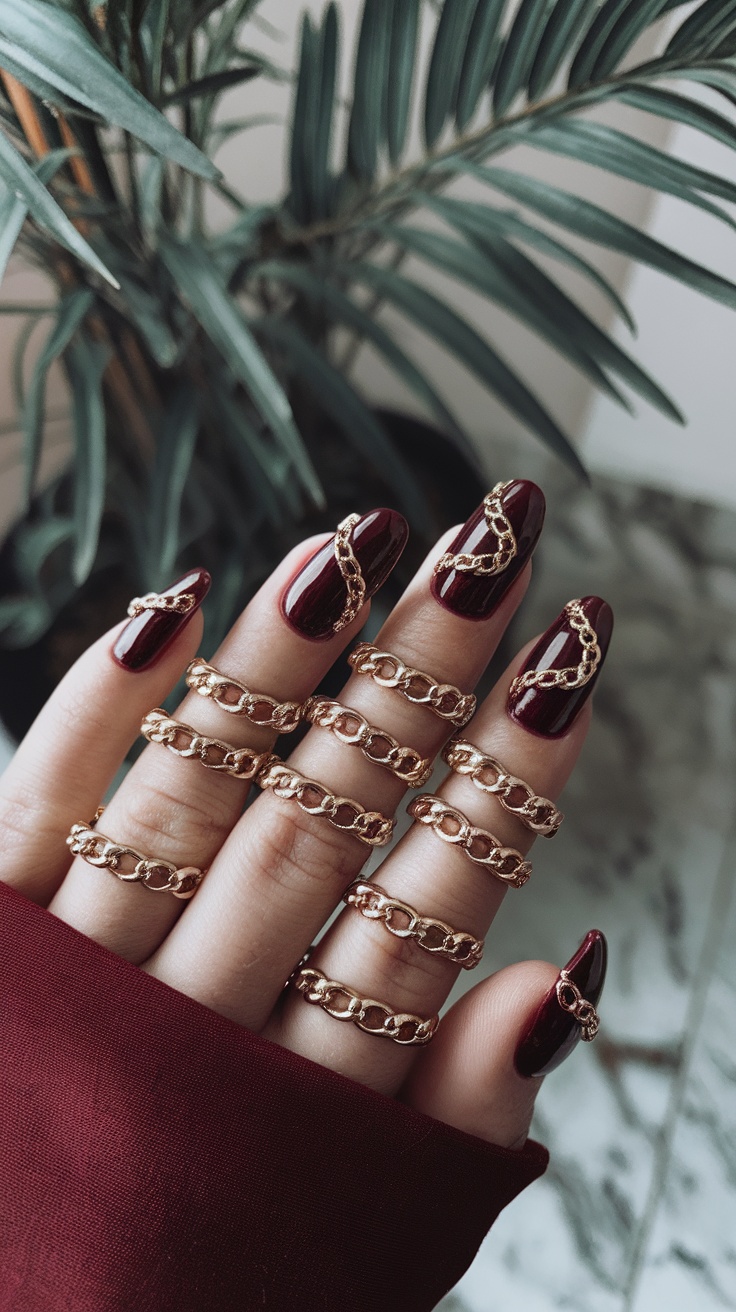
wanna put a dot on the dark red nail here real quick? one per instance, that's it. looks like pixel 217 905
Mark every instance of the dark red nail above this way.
pixel 315 600
pixel 553 1032
pixel 147 635
pixel 476 595
pixel 549 708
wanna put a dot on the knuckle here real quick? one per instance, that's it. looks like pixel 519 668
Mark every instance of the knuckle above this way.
pixel 404 974
pixel 21 819
pixel 187 830
pixel 294 850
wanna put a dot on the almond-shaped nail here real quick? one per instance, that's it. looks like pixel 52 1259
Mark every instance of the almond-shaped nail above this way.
pixel 562 669
pixel 567 1013
pixel 490 551
pixel 329 591
pixel 157 618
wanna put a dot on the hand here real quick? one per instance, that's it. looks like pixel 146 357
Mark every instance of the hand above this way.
pixel 276 873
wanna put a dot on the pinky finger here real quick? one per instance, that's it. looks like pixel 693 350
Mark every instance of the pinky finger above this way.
pixel 68 758
pixel 483 1069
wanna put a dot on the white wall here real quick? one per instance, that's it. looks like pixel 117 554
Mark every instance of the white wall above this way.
pixel 689 343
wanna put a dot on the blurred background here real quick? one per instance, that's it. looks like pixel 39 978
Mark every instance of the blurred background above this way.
pixel 637 1210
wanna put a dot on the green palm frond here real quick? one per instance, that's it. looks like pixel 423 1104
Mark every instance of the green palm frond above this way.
pixel 203 363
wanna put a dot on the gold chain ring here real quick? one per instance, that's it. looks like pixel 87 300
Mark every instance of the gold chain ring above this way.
pixel 573 676
pixel 488 563
pixel 234 697
pixel 341 812
pixel 389 671
pixel 132 867
pixel 213 753
pixel 480 845
pixel 343 1003
pixel 515 796
pixel 347 563
pixel 377 745
pixel 401 920
pixel 571 999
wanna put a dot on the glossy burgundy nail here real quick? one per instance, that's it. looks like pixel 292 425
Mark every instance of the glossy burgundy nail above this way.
pixel 147 635
pixel 314 601
pixel 475 595
pixel 553 1032
pixel 550 711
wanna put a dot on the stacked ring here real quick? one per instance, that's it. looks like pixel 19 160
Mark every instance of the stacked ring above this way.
pixel 480 845
pixel 377 745
pixel 401 920
pixel 389 671
pixel 343 1003
pixel 132 867
pixel 234 697
pixel 342 813
pixel 536 813
pixel 213 753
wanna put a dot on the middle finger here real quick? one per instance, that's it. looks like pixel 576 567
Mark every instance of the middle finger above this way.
pixel 281 871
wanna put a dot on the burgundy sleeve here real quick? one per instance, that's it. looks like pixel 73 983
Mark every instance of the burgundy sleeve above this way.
pixel 156 1157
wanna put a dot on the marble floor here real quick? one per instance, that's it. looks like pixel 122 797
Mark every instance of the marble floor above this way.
pixel 638 1210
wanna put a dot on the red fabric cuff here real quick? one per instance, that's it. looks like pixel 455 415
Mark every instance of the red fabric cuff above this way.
pixel 155 1156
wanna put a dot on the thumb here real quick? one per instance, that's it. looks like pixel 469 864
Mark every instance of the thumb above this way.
pixel 483 1069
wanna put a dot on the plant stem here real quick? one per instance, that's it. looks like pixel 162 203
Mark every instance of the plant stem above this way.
pixel 116 379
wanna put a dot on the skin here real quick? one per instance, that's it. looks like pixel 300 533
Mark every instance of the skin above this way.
pixel 276 874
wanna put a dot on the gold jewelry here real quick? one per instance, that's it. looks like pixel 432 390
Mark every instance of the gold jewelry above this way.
pixel 232 696
pixel 347 563
pixel 420 689
pixel 571 999
pixel 180 605
pixel 370 1016
pixel 515 796
pixel 573 676
pixel 213 753
pixel 487 563
pixel 342 812
pixel 130 866
pixel 480 845
pixel 351 727
pixel 403 921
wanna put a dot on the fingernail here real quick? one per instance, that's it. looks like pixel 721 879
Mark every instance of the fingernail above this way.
pixel 561 671
pixel 149 632
pixel 553 1032
pixel 490 550
pixel 329 590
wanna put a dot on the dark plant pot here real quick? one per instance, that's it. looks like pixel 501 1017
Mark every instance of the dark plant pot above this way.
pixel 451 483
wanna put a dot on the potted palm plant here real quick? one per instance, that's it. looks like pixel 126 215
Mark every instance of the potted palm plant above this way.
pixel 211 398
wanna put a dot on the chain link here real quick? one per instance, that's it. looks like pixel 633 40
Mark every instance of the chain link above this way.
pixel 130 866
pixel 342 812
pixel 487 563
pixel 343 1003
pixel 480 845
pixel 347 563
pixel 180 605
pixel 213 753
pixel 536 813
pixel 571 999
pixel 420 689
pixel 573 676
pixel 235 698
pixel 401 920
pixel 381 748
